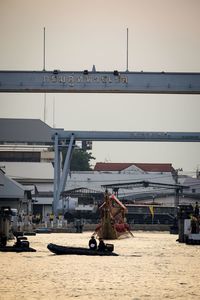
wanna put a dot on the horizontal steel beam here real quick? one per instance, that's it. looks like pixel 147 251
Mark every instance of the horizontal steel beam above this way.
pixel 99 82
pixel 128 136
pixel 144 183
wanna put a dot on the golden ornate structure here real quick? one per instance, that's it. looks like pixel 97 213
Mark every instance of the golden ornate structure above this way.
pixel 112 223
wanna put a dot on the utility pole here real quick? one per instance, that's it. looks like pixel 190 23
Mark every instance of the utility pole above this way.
pixel 178 189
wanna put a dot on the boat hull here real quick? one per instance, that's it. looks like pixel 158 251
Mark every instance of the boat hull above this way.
pixel 61 250
pixel 16 249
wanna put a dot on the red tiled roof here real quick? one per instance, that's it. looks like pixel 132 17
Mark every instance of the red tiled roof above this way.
pixel 155 167
pixel 111 166
pixel 147 167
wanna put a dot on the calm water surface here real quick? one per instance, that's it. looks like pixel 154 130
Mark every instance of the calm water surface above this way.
pixel 150 266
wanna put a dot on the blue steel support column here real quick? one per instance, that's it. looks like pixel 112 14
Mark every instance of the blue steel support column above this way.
pixel 58 167
pixel 56 171
pixel 65 171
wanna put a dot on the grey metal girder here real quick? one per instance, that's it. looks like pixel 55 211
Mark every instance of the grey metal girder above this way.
pixel 99 82
pixel 125 136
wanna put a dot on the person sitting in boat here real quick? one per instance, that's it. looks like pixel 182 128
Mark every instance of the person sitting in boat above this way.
pixel 93 243
pixel 102 245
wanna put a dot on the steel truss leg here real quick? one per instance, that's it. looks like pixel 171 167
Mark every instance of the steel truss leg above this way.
pixel 60 186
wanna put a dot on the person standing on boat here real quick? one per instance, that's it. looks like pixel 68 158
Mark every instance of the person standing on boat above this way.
pixel 93 243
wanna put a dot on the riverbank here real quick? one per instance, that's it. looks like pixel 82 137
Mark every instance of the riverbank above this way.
pixel 70 228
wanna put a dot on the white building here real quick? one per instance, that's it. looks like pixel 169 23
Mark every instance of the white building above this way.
pixel 14 195
pixel 40 176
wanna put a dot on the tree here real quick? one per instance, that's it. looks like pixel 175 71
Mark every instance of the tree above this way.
pixel 80 160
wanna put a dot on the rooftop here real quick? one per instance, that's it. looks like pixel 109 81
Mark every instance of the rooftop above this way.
pixel 147 167
pixel 26 131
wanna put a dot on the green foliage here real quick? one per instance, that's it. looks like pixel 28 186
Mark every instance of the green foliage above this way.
pixel 80 160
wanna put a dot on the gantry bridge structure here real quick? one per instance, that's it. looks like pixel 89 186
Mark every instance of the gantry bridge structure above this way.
pixel 100 82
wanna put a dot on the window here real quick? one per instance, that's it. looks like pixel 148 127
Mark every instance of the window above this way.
pixel 19 156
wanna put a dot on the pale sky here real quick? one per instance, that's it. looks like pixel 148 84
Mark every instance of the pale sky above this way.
pixel 164 35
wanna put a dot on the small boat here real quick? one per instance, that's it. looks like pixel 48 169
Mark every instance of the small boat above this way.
pixel 21 245
pixel 59 250
pixel 16 249
pixel 29 233
pixel 43 230
pixel 193 239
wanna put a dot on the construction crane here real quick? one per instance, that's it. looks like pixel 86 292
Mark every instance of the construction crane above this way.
pixel 68 138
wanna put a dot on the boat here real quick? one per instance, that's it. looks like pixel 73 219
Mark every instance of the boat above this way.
pixel 21 245
pixel 59 250
pixel 192 239
pixel 16 249
pixel 43 230
pixel 29 233
pixel 112 224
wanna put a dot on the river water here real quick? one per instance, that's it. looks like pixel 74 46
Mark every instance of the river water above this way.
pixel 151 265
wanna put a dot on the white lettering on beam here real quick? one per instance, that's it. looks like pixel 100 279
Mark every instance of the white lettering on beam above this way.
pixel 84 79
